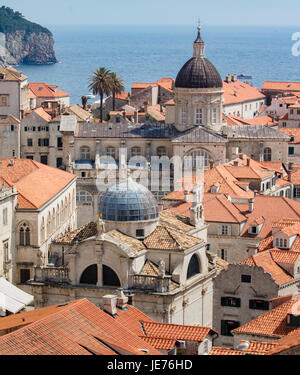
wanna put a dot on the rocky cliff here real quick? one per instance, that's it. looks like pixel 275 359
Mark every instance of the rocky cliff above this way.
pixel 24 42
pixel 21 47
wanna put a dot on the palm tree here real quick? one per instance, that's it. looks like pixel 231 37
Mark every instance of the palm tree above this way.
pixel 100 83
pixel 117 86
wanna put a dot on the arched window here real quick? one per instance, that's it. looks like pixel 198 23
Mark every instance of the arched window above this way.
pixel 24 235
pixel 161 151
pixel 194 267
pixel 110 278
pixel 83 197
pixel 85 153
pixel 135 151
pixel 90 275
pixel 267 154
pixel 200 159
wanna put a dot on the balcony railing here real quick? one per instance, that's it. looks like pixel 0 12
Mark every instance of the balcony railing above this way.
pixel 52 274
pixel 149 283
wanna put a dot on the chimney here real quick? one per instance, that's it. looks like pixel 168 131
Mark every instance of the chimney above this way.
pixel 236 163
pixel 131 299
pixel 124 114
pixel 211 164
pixel 248 162
pixel 255 193
pixel 251 205
pixel 252 249
pixel 121 299
pixel 186 196
pixel 228 78
pixel 12 163
pixel 241 156
pixel 234 78
pixel 110 304
pixel 289 175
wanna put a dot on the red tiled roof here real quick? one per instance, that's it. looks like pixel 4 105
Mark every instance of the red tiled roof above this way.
pixel 36 183
pixel 281 86
pixel 292 132
pixel 43 90
pixel 273 323
pixel 176 331
pixel 216 350
pixel 160 344
pixel 236 92
pixel 270 261
pixel 80 328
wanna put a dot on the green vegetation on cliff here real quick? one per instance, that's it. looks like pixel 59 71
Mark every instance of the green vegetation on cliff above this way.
pixel 11 21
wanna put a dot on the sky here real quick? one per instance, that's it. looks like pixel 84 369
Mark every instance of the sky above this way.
pixel 169 12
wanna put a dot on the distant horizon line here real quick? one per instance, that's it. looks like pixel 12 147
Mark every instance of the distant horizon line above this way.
pixel 167 25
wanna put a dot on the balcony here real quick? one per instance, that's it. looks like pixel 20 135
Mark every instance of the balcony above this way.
pixel 58 275
pixel 149 283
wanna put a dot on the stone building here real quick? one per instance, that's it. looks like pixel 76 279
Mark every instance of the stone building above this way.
pixel 157 259
pixel 46 209
pixel 10 135
pixel 8 204
pixel 242 292
pixel 14 98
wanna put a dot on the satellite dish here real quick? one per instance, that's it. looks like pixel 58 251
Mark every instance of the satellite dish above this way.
pixel 243 345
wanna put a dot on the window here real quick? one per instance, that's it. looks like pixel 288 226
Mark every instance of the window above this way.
pixel 24 235
pixel 227 326
pixel 225 230
pixel 224 254
pixel 214 115
pixel 291 150
pixel 59 143
pixel 5 216
pixel 83 197
pixel 297 192
pixel 200 159
pixel 194 267
pixel 291 111
pixel 140 233
pixel 24 275
pixel 267 154
pixel 30 157
pixel 43 142
pixel 231 301
pixel 258 304
pixel 161 151
pixel 298 112
pixel 135 151
pixel 5 251
pixel 246 279
pixel 29 142
pixel 12 128
pixel 293 320
pixel 83 174
pixel 183 116
pixel 59 162
pixel 4 100
pixel 253 230
pixel 44 159
pixel 284 124
pixel 198 116
pixel 85 153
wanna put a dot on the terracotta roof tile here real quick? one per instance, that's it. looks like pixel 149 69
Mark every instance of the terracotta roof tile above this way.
pixel 8 120
pixel 12 74
pixel 176 331
pixel 133 243
pixel 236 92
pixel 168 238
pixel 84 232
pixel 281 86
pixel 162 344
pixel 268 262
pixel 273 323
pixel 43 90
pixel 36 183
pixel 216 350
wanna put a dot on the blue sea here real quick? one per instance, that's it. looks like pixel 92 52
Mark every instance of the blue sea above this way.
pixel 147 53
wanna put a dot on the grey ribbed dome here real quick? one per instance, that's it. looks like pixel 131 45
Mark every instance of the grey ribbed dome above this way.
pixel 198 73
pixel 128 202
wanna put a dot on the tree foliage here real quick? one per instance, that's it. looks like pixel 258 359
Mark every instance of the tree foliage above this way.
pixel 11 21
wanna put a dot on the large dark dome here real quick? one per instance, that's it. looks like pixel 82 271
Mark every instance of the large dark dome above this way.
pixel 198 73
